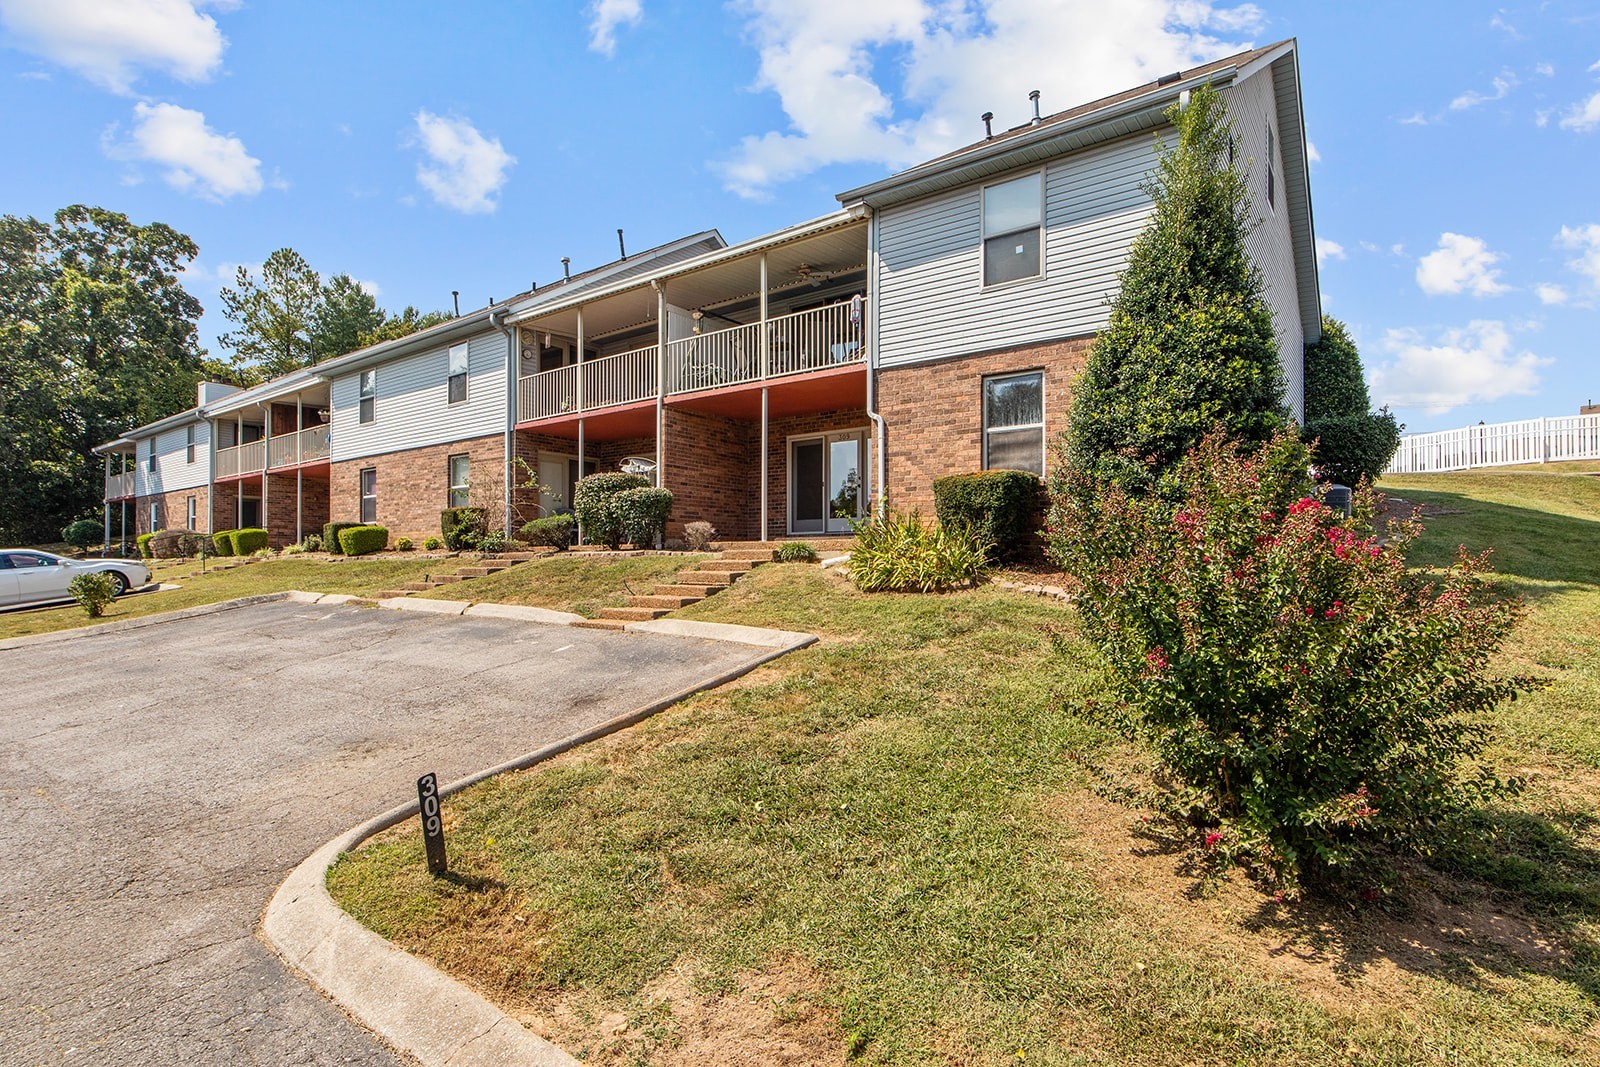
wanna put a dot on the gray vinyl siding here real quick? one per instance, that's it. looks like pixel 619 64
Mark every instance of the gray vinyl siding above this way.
pixel 411 408
pixel 932 303
pixel 1252 105
pixel 173 472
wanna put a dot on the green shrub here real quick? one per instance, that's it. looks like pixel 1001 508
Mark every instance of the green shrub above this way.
pixel 999 506
pixel 194 545
pixel 248 541
pixel 1335 384
pixel 402 544
pixel 895 551
pixel 643 513
pixel 593 503
pixel 554 531
pixel 1190 343
pixel 1316 702
pixel 311 543
pixel 294 549
pixel 222 541
pixel 494 541
pixel 796 552
pixel 330 535
pixel 432 544
pixel 363 540
pixel 699 536
pixel 83 533
pixel 1347 448
pixel 92 592
pixel 463 528
pixel 144 543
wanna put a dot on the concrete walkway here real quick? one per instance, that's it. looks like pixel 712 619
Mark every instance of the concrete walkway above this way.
pixel 160 782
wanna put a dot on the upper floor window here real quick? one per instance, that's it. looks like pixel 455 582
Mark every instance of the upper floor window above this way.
pixel 150 460
pixel 1012 229
pixel 458 373
pixel 1013 422
pixel 369 393
pixel 459 484
pixel 188 445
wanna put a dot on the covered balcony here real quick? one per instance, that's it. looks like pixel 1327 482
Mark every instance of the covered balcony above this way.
pixel 283 434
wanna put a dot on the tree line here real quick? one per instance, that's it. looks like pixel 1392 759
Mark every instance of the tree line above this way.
pixel 98 335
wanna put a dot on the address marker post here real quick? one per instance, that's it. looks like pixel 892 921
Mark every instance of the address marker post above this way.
pixel 432 824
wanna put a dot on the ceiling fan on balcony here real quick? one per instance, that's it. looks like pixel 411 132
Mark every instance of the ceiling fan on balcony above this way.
pixel 812 276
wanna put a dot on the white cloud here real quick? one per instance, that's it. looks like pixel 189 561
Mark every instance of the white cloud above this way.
pixel 1585 240
pixel 1327 249
pixel 1398 249
pixel 1583 116
pixel 1545 70
pixel 1416 118
pixel 110 43
pixel 1503 84
pixel 1550 293
pixel 1498 23
pixel 464 169
pixel 1477 363
pixel 897 81
pixel 604 18
pixel 370 288
pixel 1541 117
pixel 195 158
pixel 1460 264
pixel 1312 155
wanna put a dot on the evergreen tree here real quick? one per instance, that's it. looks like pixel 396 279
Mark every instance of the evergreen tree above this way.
pixel 408 322
pixel 273 317
pixel 1351 441
pixel 345 314
pixel 1190 345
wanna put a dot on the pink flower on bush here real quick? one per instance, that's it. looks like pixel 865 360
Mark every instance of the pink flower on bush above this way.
pixel 1212 838
pixel 1302 505
pixel 1157 659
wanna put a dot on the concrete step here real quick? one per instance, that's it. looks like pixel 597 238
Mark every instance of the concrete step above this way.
pixel 762 555
pixel 687 589
pixel 724 566
pixel 633 614
pixel 516 557
pixel 418 587
pixel 601 624
pixel 445 579
pixel 478 572
pixel 390 594
pixel 664 600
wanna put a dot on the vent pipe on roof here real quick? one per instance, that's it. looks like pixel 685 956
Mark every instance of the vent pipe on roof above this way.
pixel 988 129
pixel 622 249
pixel 1034 96
pixel 1168 79
pixel 455 294
pixel 566 268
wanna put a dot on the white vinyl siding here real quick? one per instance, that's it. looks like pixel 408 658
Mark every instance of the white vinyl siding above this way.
pixel 172 470
pixel 931 300
pixel 412 402
pixel 1253 110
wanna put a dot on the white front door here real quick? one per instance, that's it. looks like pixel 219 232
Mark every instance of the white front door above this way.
pixel 558 474
pixel 827 482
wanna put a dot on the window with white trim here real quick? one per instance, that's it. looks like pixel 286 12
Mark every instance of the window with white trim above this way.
pixel 189 514
pixel 155 515
pixel 150 460
pixel 1013 422
pixel 459 469
pixel 369 395
pixel 188 448
pixel 458 374
pixel 1012 229
pixel 369 494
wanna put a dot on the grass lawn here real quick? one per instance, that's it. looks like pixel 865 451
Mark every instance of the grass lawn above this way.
pixel 575 582
pixel 916 843
pixel 360 577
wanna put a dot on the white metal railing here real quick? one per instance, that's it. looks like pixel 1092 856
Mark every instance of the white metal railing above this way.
pixel 1499 444
pixel 119 485
pixel 802 341
pixel 304 446
pixel 241 459
pixel 619 379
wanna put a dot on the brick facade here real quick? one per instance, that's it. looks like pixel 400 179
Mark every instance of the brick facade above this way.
pixel 414 485
pixel 934 411
pixel 313 501
pixel 174 510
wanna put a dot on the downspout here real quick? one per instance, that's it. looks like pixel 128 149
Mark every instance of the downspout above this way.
pixel 497 319
pixel 870 326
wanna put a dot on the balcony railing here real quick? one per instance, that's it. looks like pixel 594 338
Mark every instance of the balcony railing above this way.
pixel 247 458
pixel 798 343
pixel 119 485
pixel 306 446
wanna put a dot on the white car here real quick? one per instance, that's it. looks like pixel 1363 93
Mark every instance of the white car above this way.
pixel 28 576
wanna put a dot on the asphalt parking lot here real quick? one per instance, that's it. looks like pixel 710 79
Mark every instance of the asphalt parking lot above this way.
pixel 159 784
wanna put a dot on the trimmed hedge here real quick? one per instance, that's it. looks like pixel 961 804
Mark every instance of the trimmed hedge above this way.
pixel 363 540
pixel 643 513
pixel 554 531
pixel 144 544
pixel 593 503
pixel 222 541
pixel 330 535
pixel 248 541
pixel 171 544
pixel 1000 507
pixel 1348 448
pixel 463 527
pixel 82 533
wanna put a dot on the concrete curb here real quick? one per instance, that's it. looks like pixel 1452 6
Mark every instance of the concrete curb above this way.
pixel 435 607
pixel 525 613
pixel 788 640
pixel 405 1000
pixel 121 625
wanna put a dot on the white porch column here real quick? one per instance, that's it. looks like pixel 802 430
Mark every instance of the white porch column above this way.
pixel 662 336
pixel 238 486
pixel 106 539
pixel 763 452
pixel 299 475
pixel 579 365
pixel 299 500
pixel 766 341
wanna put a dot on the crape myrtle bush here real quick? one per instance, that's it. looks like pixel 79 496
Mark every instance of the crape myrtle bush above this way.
pixel 92 592
pixel 593 502
pixel 998 506
pixel 894 551
pixel 362 540
pixel 1317 702
pixel 643 513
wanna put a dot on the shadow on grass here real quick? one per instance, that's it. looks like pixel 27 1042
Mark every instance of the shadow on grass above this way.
pixel 1526 542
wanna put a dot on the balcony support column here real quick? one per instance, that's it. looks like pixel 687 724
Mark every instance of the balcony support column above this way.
pixel 662 335
pixel 766 340
pixel 106 540
pixel 764 430
pixel 578 363
pixel 299 488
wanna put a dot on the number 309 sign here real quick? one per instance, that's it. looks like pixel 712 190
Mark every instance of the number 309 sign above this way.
pixel 432 824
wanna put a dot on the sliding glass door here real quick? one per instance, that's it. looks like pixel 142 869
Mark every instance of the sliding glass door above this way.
pixel 827 482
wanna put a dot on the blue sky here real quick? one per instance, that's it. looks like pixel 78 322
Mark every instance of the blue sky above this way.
pixel 424 147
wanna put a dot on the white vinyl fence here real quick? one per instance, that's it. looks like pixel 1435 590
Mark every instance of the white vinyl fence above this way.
pixel 1499 444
